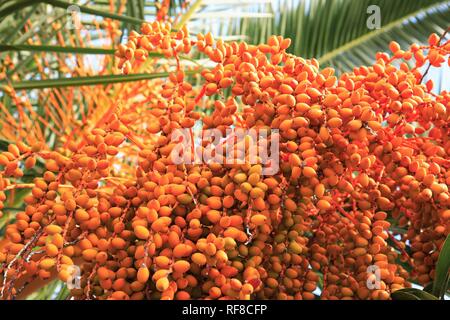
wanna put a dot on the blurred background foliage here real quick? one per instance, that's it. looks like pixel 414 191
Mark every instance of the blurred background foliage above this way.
pixel 333 31
pixel 50 64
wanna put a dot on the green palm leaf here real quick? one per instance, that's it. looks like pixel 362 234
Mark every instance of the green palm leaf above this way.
pixel 336 31
pixel 17 5
pixel 50 48
pixel 89 81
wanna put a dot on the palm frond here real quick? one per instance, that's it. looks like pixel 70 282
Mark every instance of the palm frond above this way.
pixel 50 48
pixel 336 31
pixel 88 81
pixel 55 290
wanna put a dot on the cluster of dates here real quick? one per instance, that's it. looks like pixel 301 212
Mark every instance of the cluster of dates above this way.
pixel 358 155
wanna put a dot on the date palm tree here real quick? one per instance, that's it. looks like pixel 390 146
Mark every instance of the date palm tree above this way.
pixel 39 53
